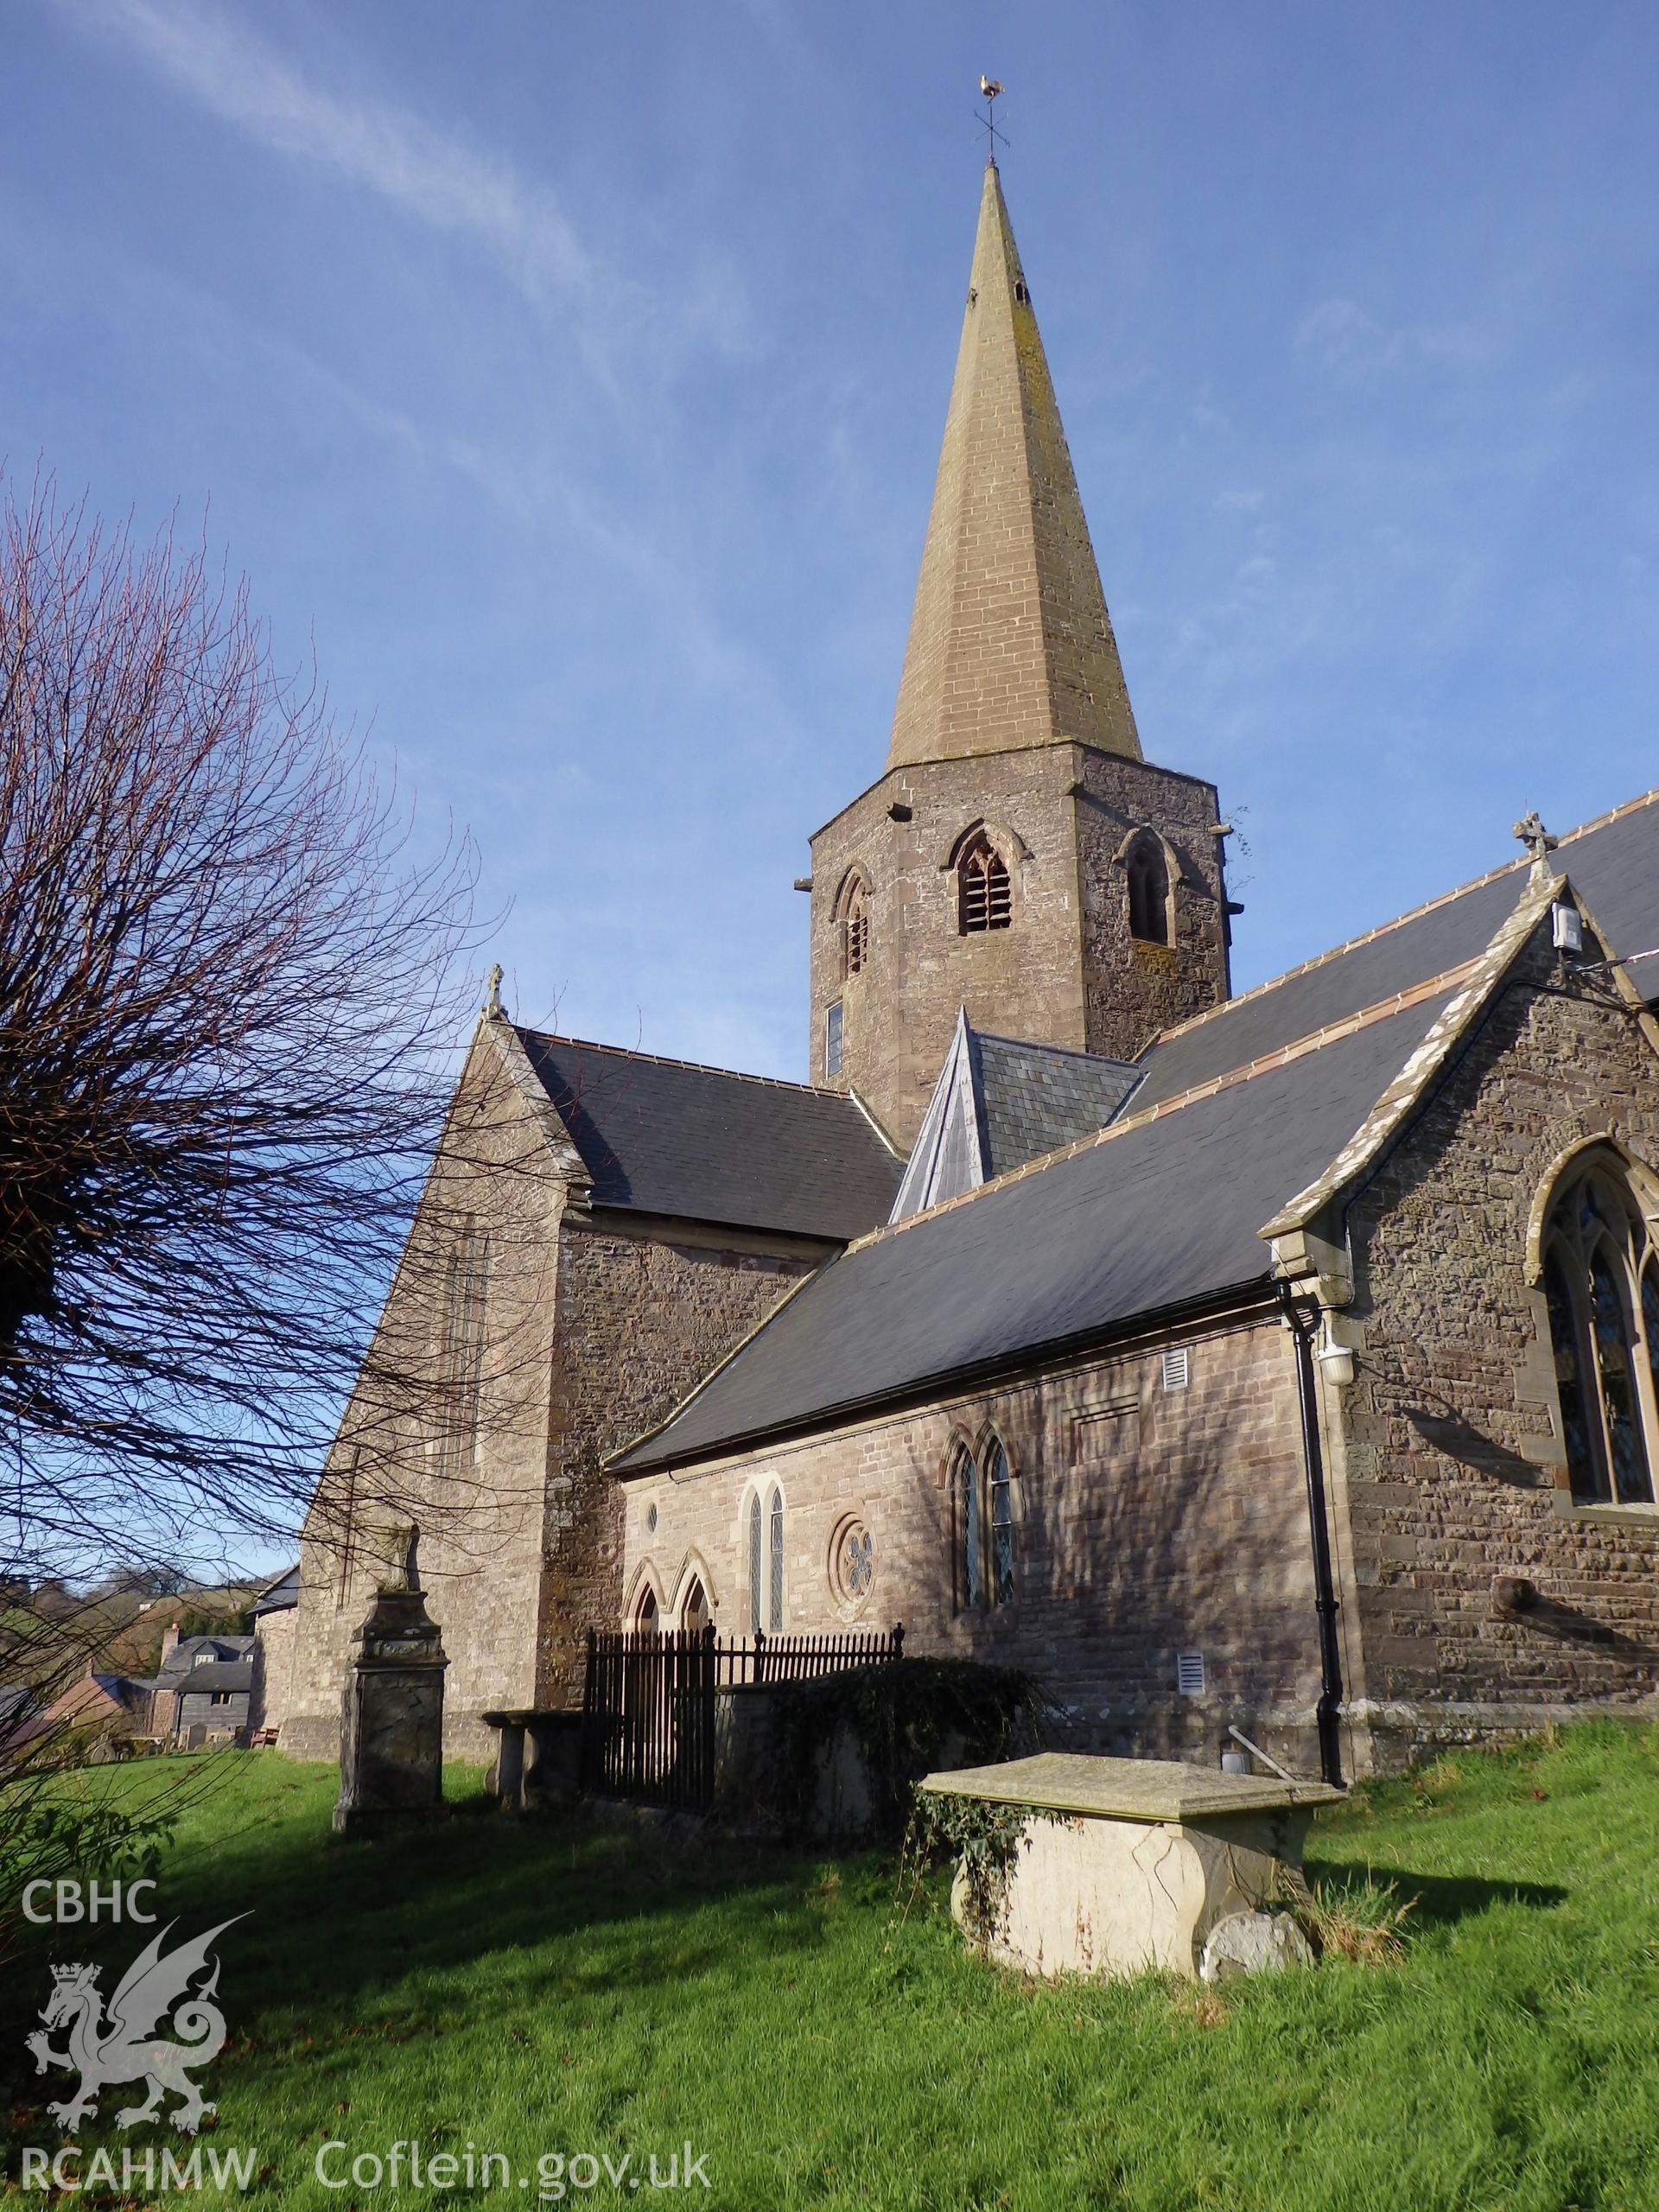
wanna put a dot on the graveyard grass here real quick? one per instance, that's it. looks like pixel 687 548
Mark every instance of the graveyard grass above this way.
pixel 539 1987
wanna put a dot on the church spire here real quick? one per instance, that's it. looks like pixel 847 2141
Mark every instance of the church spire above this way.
pixel 1010 643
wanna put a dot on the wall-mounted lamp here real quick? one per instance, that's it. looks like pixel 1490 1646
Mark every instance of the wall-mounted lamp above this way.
pixel 1335 1360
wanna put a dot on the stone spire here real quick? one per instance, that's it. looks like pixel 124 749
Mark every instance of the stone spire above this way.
pixel 1010 643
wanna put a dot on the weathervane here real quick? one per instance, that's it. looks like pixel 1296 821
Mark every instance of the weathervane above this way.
pixel 989 89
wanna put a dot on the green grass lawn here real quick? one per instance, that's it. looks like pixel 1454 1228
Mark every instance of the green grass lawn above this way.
pixel 540 1987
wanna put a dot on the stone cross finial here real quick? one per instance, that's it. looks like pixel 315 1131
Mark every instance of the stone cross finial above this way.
pixel 1536 839
pixel 492 1003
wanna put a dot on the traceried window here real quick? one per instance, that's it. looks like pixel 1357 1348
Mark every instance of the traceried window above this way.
pixel 986 1528
pixel 1601 1286
pixel 468 1291
pixel 855 927
pixel 1148 880
pixel 984 895
pixel 775 1562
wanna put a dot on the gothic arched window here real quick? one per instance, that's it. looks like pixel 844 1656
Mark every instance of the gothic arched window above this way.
pixel 1601 1286
pixel 466 1291
pixel 986 1530
pixel 695 1615
pixel 1148 878
pixel 985 894
pixel 775 1590
pixel 855 927
pixel 757 1563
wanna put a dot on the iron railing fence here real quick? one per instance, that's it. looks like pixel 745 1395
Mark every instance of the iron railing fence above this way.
pixel 649 1700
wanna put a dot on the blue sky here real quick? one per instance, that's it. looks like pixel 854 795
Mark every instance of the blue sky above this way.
pixel 574 377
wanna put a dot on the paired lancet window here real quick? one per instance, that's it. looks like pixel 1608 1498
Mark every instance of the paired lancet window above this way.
pixel 985 894
pixel 1149 884
pixel 1601 1284
pixel 982 1492
pixel 766 1549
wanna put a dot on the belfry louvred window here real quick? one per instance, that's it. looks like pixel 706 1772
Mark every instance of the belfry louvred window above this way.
pixel 855 929
pixel 1601 1286
pixel 985 894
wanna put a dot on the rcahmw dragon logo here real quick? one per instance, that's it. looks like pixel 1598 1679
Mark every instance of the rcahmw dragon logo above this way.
pixel 119 2046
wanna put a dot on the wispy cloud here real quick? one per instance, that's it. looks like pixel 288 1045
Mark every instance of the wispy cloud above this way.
pixel 433 176
pixel 1345 340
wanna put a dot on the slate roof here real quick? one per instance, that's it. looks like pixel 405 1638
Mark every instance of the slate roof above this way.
pixel 1157 1215
pixel 1160 1211
pixel 217 1675
pixel 1038 1097
pixel 180 1666
pixel 999 1103
pixel 703 1144
pixel 1613 863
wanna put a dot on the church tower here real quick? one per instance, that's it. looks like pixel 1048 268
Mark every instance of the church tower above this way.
pixel 1019 857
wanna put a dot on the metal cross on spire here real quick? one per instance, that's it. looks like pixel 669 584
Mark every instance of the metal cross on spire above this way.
pixel 989 90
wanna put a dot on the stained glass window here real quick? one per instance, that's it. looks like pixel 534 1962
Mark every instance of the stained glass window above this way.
pixel 1001 1490
pixel 967 1515
pixel 985 1527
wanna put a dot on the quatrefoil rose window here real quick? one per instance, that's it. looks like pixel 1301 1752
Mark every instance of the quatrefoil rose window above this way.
pixel 853 1563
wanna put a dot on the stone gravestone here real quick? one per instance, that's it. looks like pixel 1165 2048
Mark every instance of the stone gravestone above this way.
pixel 391 1719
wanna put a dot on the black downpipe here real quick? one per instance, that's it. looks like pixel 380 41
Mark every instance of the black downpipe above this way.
pixel 1324 1589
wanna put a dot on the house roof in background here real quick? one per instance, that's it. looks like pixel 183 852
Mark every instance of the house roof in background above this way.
pixel 1613 863
pixel 219 1675
pixel 703 1144
pixel 1153 1215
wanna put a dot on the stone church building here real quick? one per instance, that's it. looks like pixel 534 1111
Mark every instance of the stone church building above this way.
pixel 1289 1361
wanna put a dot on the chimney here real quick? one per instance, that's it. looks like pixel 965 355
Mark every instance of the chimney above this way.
pixel 169 1641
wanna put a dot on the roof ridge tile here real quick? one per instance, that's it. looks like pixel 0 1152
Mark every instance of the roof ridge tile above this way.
pixel 1412 913
pixel 670 1060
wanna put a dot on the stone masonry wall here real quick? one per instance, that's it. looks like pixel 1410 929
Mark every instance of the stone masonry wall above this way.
pixel 1134 990
pixel 274 1640
pixel 480 1523
pixel 1149 1522
pixel 641 1321
pixel 1453 1463
pixel 1065 971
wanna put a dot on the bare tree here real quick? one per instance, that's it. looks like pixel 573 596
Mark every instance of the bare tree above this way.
pixel 229 995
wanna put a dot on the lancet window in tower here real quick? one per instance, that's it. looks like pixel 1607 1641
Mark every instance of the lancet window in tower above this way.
pixel 985 894
pixel 1601 1286
pixel 1148 881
